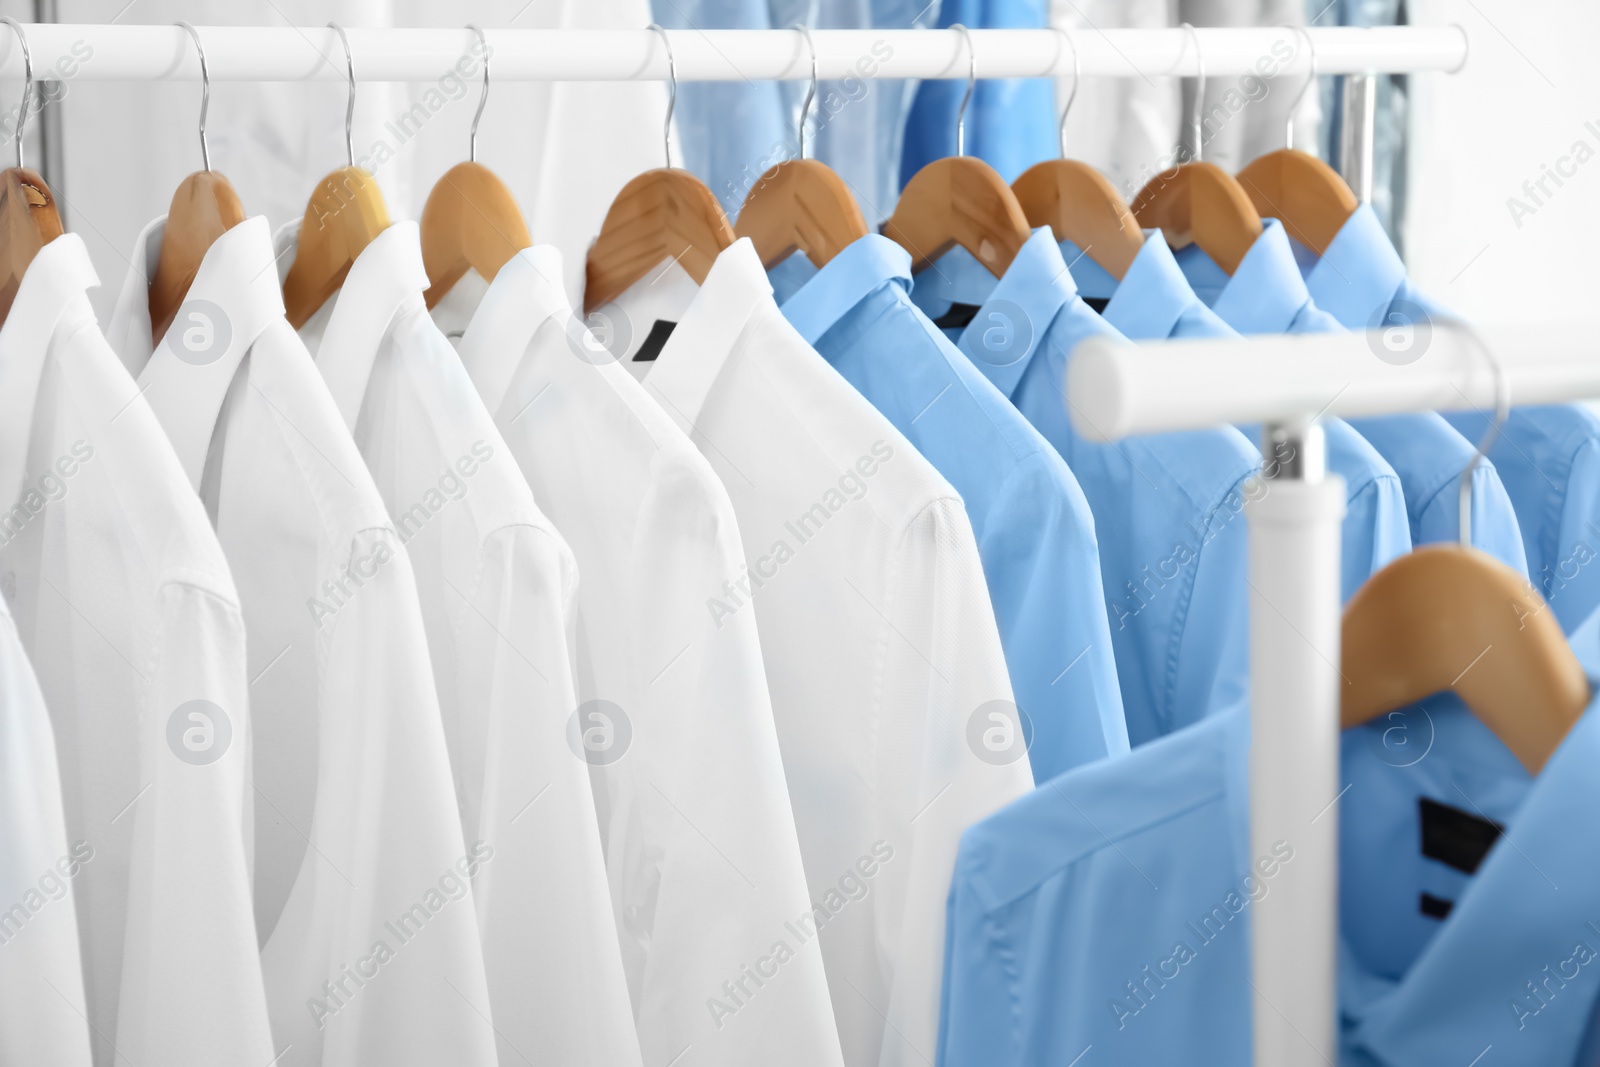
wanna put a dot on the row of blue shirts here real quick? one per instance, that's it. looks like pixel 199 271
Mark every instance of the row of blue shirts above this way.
pixel 1117 577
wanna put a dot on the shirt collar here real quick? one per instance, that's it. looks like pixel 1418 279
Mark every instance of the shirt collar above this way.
pixel 1359 275
pixel 59 274
pixel 862 267
pixel 1029 296
pixel 1266 292
pixel 1094 281
pixel 1153 294
pixel 386 277
pixel 698 350
pixel 186 376
pixel 526 292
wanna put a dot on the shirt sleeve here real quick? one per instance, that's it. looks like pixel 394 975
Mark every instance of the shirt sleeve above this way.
pixel 376 956
pixel 1042 567
pixel 42 1010
pixel 704 854
pixel 550 945
pixel 947 694
pixel 981 982
pixel 1376 527
pixel 188 872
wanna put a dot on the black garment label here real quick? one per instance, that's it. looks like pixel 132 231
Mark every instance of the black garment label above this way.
pixel 1436 907
pixel 957 317
pixel 655 342
pixel 1098 303
pixel 1454 837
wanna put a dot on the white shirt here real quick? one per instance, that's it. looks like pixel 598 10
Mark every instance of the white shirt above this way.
pixel 704 866
pixel 125 605
pixel 881 647
pixel 498 587
pixel 370 945
pixel 42 1018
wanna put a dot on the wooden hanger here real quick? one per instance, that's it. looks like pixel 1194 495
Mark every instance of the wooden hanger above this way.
pixel 960 200
pixel 204 207
pixel 28 221
pixel 1200 203
pixel 28 216
pixel 1449 617
pixel 662 214
pixel 1309 197
pixel 801 204
pixel 470 221
pixel 1419 626
pixel 1078 203
pixel 342 217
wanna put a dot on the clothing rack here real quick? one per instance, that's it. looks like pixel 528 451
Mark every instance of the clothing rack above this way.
pixel 1115 390
pixel 285 53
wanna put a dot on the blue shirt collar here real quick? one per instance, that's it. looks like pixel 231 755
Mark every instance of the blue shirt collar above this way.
pixel 1094 281
pixel 1034 289
pixel 1360 274
pixel 1153 294
pixel 867 264
pixel 1266 293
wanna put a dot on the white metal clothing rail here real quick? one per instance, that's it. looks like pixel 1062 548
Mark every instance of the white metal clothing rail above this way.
pixel 1287 383
pixel 285 53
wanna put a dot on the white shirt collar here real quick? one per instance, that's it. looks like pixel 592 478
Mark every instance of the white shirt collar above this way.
pixel 386 276
pixel 59 274
pixel 534 275
pixel 186 376
pixel 694 356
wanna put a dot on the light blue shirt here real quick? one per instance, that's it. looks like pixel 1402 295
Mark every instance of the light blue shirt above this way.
pixel 1111 908
pixel 1167 508
pixel 1011 122
pixel 1267 295
pixel 1360 282
pixel 1034 529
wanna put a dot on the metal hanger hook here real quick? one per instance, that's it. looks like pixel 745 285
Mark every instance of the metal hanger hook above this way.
pixel 972 80
pixel 1199 92
pixel 483 97
pixel 1077 78
pixel 1502 411
pixel 1311 79
pixel 672 91
pixel 27 83
pixel 350 104
pixel 811 92
pixel 205 94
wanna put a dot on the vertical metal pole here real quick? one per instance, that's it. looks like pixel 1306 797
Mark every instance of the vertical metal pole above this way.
pixel 52 143
pixel 1358 110
pixel 1294 747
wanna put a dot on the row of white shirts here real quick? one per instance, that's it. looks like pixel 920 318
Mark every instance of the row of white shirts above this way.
pixel 333 759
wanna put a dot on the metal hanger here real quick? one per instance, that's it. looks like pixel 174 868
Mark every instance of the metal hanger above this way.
pixel 801 204
pixel 1449 617
pixel 959 200
pixel 471 220
pixel 1199 202
pixel 204 207
pixel 28 216
pixel 663 214
pixel 1077 202
pixel 1309 197
pixel 344 214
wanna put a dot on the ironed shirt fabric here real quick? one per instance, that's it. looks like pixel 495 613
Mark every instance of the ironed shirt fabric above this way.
pixel 888 679
pixel 362 899
pixel 1035 533
pixel 702 857
pixel 132 623
pixel 1112 908
pixel 1166 507
pixel 497 584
